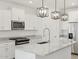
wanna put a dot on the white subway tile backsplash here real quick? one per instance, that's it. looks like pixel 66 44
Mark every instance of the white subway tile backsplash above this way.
pixel 16 33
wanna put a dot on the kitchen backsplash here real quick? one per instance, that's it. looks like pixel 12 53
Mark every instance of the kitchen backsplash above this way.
pixel 17 33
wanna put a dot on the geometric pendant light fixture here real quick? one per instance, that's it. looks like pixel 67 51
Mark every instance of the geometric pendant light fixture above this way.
pixel 64 16
pixel 42 11
pixel 55 15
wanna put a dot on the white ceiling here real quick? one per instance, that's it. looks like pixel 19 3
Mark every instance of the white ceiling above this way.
pixel 48 3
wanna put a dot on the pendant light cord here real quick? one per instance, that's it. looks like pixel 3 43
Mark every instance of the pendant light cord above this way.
pixel 64 6
pixel 55 5
pixel 42 3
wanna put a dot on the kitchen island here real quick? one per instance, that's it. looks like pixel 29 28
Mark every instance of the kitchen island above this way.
pixel 61 50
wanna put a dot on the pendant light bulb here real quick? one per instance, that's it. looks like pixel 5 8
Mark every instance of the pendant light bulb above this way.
pixel 42 11
pixel 64 16
pixel 55 15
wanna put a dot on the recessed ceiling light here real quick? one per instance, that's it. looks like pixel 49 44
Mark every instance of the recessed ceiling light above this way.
pixel 30 2
pixel 73 4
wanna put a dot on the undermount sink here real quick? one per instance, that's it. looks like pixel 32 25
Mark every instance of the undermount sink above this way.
pixel 42 42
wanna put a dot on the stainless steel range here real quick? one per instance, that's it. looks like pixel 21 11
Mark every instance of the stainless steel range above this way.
pixel 20 40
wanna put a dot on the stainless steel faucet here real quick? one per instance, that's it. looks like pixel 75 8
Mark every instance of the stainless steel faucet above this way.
pixel 48 34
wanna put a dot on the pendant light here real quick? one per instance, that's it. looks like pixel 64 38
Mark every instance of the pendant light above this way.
pixel 64 16
pixel 42 11
pixel 55 15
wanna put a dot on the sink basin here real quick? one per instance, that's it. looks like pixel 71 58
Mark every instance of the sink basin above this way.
pixel 42 42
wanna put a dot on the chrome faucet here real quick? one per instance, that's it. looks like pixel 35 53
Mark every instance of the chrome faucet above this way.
pixel 48 34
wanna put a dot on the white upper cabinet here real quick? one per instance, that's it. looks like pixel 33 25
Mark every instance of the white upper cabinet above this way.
pixel 73 16
pixel 5 19
pixel 18 14
pixel 8 14
pixel 30 22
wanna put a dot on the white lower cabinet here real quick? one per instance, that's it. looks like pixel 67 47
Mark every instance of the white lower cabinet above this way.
pixel 2 52
pixel 7 50
pixel 11 50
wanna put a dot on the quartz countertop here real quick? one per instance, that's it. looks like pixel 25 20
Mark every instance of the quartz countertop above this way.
pixel 5 40
pixel 44 49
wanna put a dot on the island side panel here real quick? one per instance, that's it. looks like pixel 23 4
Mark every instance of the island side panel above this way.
pixel 61 54
pixel 20 54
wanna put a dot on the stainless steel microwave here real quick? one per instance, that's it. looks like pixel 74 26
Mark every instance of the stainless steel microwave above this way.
pixel 17 25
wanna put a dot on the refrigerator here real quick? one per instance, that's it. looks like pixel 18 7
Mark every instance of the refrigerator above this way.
pixel 73 28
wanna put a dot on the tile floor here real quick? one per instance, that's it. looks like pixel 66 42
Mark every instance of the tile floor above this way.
pixel 74 57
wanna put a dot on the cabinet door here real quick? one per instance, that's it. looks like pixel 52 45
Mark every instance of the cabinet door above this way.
pixel 1 22
pixel 5 17
pixel 11 50
pixel 7 50
pixel 18 14
pixel 3 54
pixel 73 16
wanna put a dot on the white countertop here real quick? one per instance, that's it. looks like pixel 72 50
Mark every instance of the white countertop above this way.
pixel 44 49
pixel 5 40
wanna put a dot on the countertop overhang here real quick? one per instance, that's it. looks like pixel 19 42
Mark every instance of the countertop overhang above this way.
pixel 44 49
